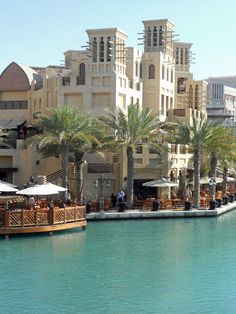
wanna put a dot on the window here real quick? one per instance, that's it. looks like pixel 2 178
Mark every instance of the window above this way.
pixel 139 149
pixel 181 56
pixel 167 74
pixel 177 56
pixel 94 49
pixel 66 81
pixel 171 103
pixel 18 104
pixel 161 36
pixel 109 49
pixel 155 36
pixel 162 104
pixel 81 77
pixel 136 68
pixel 186 56
pixel 102 51
pixel 171 75
pixel 167 103
pixel 163 72
pixel 141 70
pixel 191 96
pixel 149 37
pixel 151 74
pixel 196 97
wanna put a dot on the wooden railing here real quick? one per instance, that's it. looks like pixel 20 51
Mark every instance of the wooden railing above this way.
pixel 41 217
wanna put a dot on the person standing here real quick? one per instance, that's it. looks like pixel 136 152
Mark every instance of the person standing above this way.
pixel 113 199
pixel 121 200
pixel 121 196
pixel 188 194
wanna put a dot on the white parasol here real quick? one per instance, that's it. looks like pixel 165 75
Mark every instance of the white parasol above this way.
pixel 160 183
pixel 9 184
pixel 206 180
pixel 7 188
pixel 42 189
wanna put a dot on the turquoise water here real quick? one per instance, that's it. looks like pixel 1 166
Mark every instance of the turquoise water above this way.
pixel 138 266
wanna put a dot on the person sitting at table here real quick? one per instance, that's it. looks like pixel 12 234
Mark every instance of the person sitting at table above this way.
pixel 31 202
pixel 50 205
pixel 173 195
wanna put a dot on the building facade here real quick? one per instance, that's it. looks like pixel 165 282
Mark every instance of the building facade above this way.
pixel 221 104
pixel 105 74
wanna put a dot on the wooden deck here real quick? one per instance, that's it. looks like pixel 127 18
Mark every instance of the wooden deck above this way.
pixel 41 220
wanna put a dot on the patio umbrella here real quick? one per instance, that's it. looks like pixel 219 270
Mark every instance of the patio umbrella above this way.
pixel 42 189
pixel 206 180
pixel 230 179
pixel 9 184
pixel 7 188
pixel 161 184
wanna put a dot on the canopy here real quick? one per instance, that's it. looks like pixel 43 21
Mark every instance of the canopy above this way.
pixel 42 189
pixel 206 180
pixel 7 188
pixel 9 184
pixel 160 183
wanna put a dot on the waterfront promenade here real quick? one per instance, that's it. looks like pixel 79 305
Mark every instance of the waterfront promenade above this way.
pixel 160 214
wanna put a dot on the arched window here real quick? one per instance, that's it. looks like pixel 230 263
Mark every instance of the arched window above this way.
pixel 151 73
pixel 155 36
pixel 81 77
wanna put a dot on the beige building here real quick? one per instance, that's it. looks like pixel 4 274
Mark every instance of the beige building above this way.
pixel 105 74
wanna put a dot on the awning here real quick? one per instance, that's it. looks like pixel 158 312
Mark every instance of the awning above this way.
pixel 11 124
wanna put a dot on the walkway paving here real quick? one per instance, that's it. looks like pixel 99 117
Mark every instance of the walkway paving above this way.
pixel 145 214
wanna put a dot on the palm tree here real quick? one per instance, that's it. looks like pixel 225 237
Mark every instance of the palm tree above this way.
pixel 87 138
pixel 58 129
pixel 220 146
pixel 196 134
pixel 66 131
pixel 131 129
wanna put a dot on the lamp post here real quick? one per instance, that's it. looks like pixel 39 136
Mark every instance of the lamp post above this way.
pixel 212 184
pixel 99 183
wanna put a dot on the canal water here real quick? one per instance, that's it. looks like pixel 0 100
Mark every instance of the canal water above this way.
pixel 136 266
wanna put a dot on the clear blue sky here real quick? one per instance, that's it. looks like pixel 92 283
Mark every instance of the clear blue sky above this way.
pixel 39 32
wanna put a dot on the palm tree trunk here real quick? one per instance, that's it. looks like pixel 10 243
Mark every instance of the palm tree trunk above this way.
pixel 64 163
pixel 130 174
pixel 213 174
pixel 224 184
pixel 79 176
pixel 197 164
